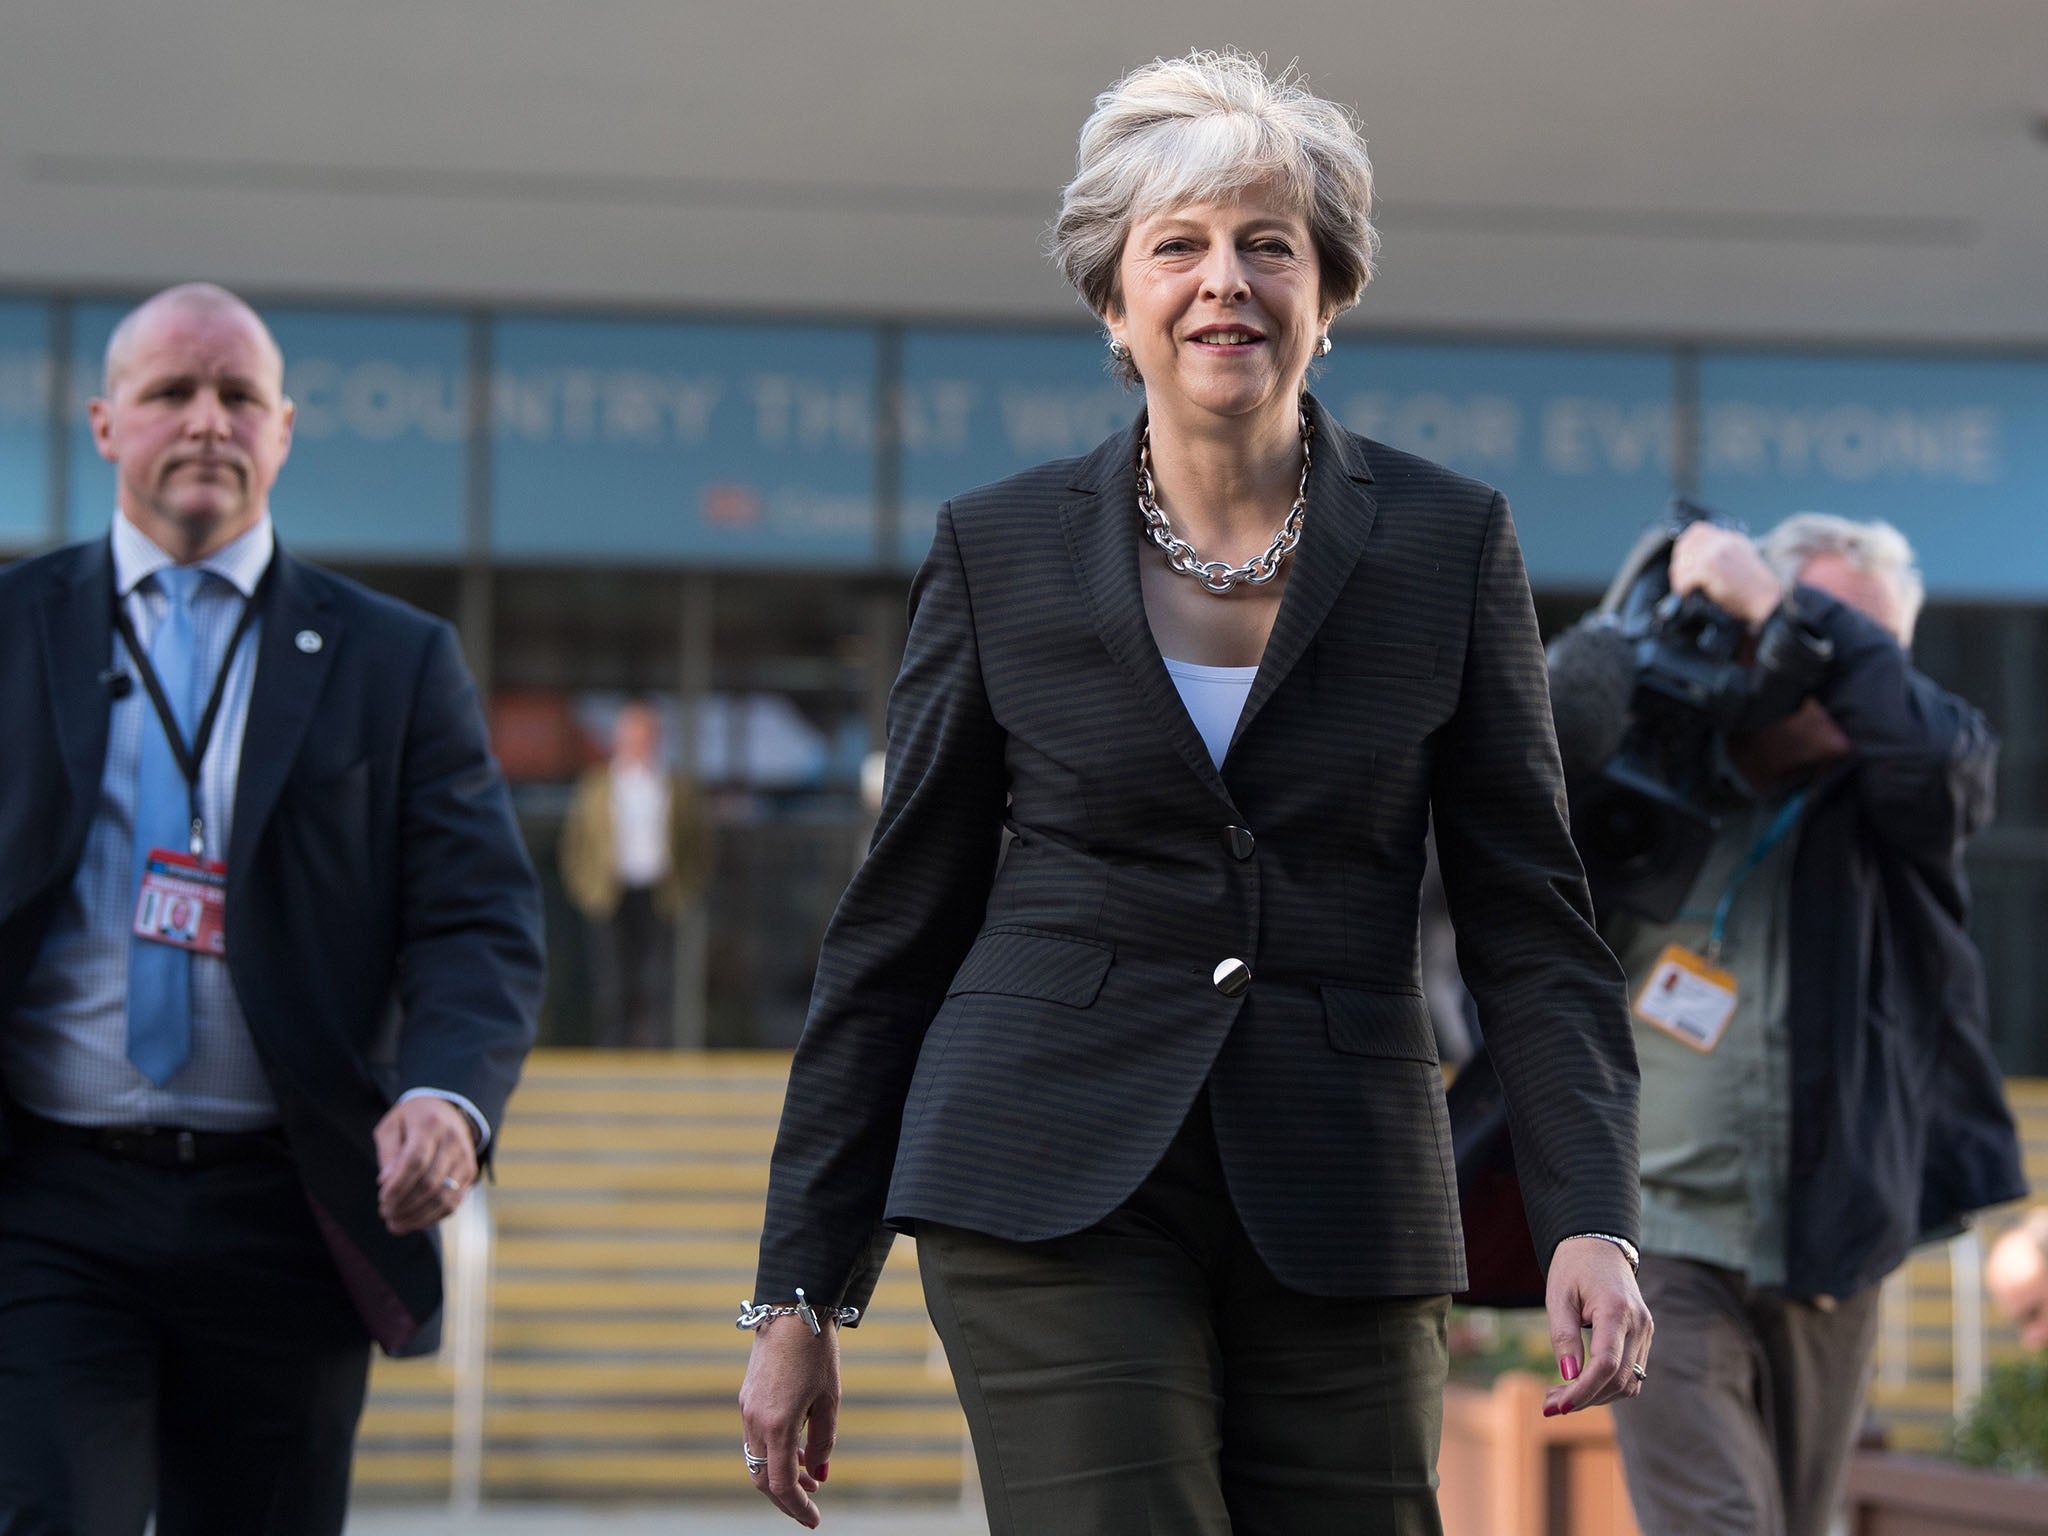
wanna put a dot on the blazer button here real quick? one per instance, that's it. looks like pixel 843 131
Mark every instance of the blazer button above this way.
pixel 1239 841
pixel 1232 977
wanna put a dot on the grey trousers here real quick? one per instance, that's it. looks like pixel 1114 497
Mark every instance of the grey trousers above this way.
pixel 1150 1377
pixel 1746 1424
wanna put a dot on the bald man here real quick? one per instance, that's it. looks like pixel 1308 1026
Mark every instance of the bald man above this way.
pixel 2016 1275
pixel 270 960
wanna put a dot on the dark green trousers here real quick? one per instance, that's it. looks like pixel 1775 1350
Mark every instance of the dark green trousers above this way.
pixel 1150 1377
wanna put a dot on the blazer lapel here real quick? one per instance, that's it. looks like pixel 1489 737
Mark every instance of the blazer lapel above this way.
pixel 1102 537
pixel 78 644
pixel 1341 507
pixel 289 677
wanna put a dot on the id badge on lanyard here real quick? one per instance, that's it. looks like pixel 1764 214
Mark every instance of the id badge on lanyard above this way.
pixel 183 898
pixel 183 902
pixel 1690 996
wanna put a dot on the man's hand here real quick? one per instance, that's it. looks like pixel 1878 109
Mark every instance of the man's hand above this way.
pixel 426 1161
pixel 789 1412
pixel 1591 1286
pixel 1726 566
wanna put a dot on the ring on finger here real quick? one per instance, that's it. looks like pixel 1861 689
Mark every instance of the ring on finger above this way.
pixel 754 1463
pixel 451 1183
pixel 1636 1369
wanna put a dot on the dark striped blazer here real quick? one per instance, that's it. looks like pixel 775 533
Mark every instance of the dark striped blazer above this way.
pixel 1008 1044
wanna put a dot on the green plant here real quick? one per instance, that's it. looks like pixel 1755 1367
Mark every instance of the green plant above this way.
pixel 2007 1429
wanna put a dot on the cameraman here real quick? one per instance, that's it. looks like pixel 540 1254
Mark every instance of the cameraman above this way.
pixel 1825 1097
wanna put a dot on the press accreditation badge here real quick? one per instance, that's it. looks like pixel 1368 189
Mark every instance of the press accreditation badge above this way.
pixel 1688 997
pixel 184 902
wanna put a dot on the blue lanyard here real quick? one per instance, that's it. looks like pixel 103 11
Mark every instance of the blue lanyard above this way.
pixel 1781 825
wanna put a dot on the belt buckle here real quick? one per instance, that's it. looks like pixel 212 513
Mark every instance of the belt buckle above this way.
pixel 188 1149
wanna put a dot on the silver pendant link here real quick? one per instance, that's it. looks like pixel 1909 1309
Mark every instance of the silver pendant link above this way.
pixel 1214 575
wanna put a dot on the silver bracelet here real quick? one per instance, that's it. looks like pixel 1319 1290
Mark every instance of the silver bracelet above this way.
pixel 1628 1249
pixel 752 1317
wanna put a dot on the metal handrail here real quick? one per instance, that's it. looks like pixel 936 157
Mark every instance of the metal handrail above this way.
pixel 469 1241
pixel 1966 1291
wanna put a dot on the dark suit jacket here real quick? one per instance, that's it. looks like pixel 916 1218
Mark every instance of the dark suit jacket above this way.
pixel 1009 1046
pixel 1899 1122
pixel 383 919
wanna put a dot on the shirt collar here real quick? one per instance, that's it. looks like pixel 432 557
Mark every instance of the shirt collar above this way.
pixel 240 564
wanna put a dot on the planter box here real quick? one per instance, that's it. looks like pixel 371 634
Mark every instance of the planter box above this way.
pixel 1892 1495
pixel 1505 1470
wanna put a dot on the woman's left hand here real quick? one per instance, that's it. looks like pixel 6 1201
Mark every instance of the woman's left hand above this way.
pixel 1592 1286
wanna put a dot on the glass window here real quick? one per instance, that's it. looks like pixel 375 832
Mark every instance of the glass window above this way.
pixel 800 668
pixel 1997 658
pixel 766 691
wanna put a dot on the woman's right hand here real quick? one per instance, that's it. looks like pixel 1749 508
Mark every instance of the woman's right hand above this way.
pixel 791 1395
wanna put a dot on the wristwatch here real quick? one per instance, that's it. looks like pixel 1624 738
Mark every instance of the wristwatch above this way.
pixel 1628 1249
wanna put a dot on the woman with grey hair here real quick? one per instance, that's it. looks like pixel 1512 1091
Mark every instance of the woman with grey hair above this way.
pixel 1154 1085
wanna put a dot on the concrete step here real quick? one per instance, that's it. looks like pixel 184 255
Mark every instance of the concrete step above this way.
pixel 629 1202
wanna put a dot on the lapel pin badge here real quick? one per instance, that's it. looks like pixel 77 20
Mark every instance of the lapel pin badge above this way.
pixel 308 640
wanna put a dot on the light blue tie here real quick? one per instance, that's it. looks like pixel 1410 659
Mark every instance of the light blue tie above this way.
pixel 160 975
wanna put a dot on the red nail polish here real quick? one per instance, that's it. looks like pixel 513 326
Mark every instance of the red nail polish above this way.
pixel 823 1468
pixel 1568 1368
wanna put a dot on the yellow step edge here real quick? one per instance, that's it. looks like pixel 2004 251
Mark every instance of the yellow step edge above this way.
pixel 552 1062
pixel 658 1178
pixel 640 1378
pixel 663 1215
pixel 681 1333
pixel 426 1476
pixel 640 1293
pixel 713 1469
pixel 530 1254
pixel 1930 1396
pixel 711 1250
pixel 593 1099
pixel 869 1422
pixel 536 1137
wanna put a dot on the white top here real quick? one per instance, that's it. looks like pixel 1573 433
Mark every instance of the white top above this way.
pixel 1214 697
pixel 639 825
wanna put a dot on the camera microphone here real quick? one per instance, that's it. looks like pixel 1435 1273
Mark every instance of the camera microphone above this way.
pixel 118 683
pixel 1592 679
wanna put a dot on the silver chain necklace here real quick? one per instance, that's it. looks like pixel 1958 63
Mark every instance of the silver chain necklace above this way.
pixel 1214 575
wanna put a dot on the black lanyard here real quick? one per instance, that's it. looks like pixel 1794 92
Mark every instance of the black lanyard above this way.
pixel 190 759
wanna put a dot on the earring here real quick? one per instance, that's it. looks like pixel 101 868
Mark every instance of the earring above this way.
pixel 1325 346
pixel 1119 351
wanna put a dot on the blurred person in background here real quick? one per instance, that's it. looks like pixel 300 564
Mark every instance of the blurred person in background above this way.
pixel 2016 1274
pixel 1838 1103
pixel 634 855
pixel 270 959
pixel 1158 1091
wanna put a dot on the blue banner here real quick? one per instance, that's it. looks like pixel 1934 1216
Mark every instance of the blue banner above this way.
pixel 378 459
pixel 729 445
pixel 25 379
pixel 715 445
pixel 1579 440
pixel 1954 453
pixel 976 407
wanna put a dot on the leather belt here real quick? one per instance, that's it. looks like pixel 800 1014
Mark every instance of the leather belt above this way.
pixel 154 1146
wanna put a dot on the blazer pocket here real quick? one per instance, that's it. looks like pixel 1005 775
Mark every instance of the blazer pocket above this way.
pixel 330 786
pixel 325 828
pixel 1392 1025
pixel 1376 659
pixel 1016 962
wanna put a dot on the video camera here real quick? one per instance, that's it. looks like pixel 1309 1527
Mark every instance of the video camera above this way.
pixel 1647 691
